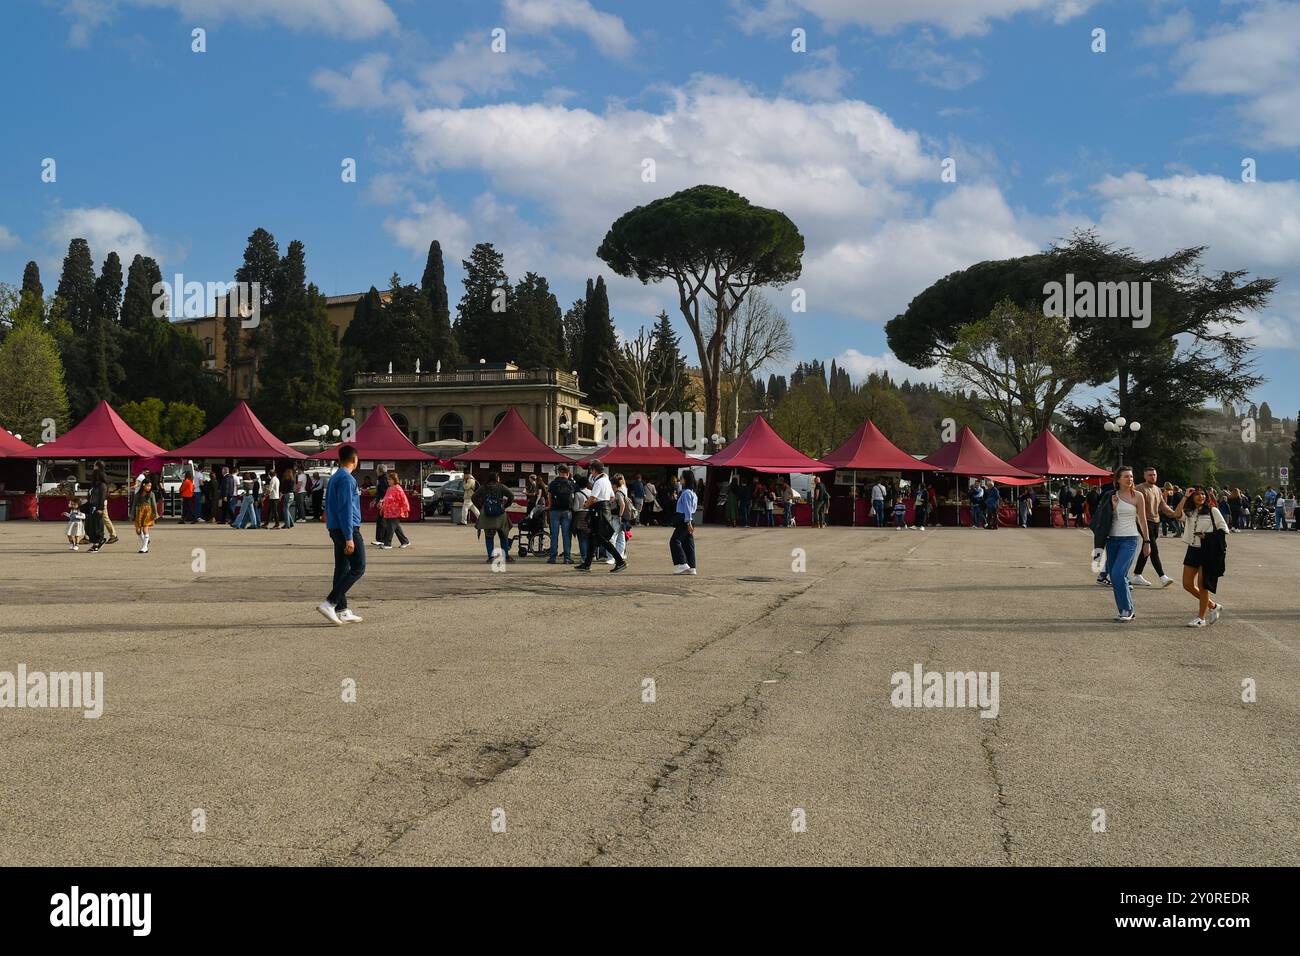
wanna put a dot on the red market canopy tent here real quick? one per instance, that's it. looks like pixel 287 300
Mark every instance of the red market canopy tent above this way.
pixel 759 448
pixel 869 450
pixel 966 455
pixel 379 439
pixel 1047 455
pixel 641 444
pixel 240 435
pixel 101 434
pixel 513 441
pixel 11 447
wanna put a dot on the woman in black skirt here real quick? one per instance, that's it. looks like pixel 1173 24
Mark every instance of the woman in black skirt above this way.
pixel 1205 532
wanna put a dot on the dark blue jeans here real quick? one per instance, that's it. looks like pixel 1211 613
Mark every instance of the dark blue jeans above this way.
pixel 348 568
pixel 561 521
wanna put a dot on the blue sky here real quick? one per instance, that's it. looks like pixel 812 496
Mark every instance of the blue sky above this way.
pixel 181 154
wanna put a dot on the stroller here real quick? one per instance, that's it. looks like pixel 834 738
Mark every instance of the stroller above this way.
pixel 534 530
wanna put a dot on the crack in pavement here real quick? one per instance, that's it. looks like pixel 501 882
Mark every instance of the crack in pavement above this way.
pixel 999 793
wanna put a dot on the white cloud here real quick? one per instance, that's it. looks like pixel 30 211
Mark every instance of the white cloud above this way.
pixel 1246 225
pixel 106 230
pixel 860 366
pixel 7 239
pixel 1257 59
pixel 473 68
pixel 955 17
pixel 941 70
pixel 349 19
pixel 361 87
pixel 823 80
pixel 1174 28
pixel 605 30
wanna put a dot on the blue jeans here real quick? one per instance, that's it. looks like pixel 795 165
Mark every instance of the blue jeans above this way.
pixel 248 517
pixel 1280 515
pixel 1120 555
pixel 348 568
pixel 505 541
pixel 878 507
pixel 744 513
pixel 1024 514
pixel 561 522
pixel 976 516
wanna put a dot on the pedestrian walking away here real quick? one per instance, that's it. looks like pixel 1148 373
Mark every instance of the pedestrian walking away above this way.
pixel 343 522
pixel 560 494
pixel 493 503
pixel 681 546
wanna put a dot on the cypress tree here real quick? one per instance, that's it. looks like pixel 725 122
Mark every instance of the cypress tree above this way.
pixel 103 337
pixel 574 328
pixel 32 281
pixel 668 366
pixel 77 286
pixel 300 377
pixel 434 286
pixel 480 330
pixel 598 344
pixel 138 299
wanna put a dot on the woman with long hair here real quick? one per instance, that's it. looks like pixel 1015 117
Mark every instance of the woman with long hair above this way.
pixel 1116 528
pixel 1204 534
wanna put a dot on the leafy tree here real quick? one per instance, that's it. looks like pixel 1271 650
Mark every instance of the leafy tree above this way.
pixel 32 280
pixel 715 246
pixel 406 328
pixel 145 416
pixel 170 424
pixel 575 327
pixel 598 345
pixel 138 299
pixel 478 326
pixel 536 326
pixel 261 266
pixel 103 338
pixel 359 347
pixel 1021 364
pixel 77 287
pixel 31 379
pixel 434 285
pixel 300 374
pixel 1295 452
pixel 668 368
pixel 1188 354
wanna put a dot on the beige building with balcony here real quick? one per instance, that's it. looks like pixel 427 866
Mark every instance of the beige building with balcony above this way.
pixel 465 405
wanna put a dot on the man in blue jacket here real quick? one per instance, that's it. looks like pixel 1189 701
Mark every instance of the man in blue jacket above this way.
pixel 992 501
pixel 343 521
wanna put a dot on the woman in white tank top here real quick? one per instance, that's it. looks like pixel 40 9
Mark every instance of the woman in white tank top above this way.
pixel 1127 536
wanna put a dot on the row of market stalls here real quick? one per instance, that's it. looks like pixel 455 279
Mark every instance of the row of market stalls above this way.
pixel 240 441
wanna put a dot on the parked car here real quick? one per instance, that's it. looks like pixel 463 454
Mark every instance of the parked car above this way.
pixel 433 483
pixel 449 493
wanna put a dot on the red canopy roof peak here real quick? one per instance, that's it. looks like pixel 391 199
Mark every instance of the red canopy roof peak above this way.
pixel 867 449
pixel 512 440
pixel 760 448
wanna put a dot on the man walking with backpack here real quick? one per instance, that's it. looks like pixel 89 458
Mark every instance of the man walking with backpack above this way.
pixel 493 517
pixel 560 502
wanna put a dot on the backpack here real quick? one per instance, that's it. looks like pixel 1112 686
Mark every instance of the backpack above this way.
pixel 562 490
pixel 494 506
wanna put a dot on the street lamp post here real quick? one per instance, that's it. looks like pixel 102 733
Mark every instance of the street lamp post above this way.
pixel 1122 433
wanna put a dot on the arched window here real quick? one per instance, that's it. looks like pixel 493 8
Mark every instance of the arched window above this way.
pixel 497 421
pixel 450 427
pixel 401 422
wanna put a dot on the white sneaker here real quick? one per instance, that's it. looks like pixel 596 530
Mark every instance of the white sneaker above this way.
pixel 347 616
pixel 1126 617
pixel 403 547
pixel 1138 581
pixel 689 571
pixel 383 547
pixel 72 547
pixel 1214 614
pixel 1165 580
pixel 609 561
pixel 682 569
pixel 1196 622
pixel 327 611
